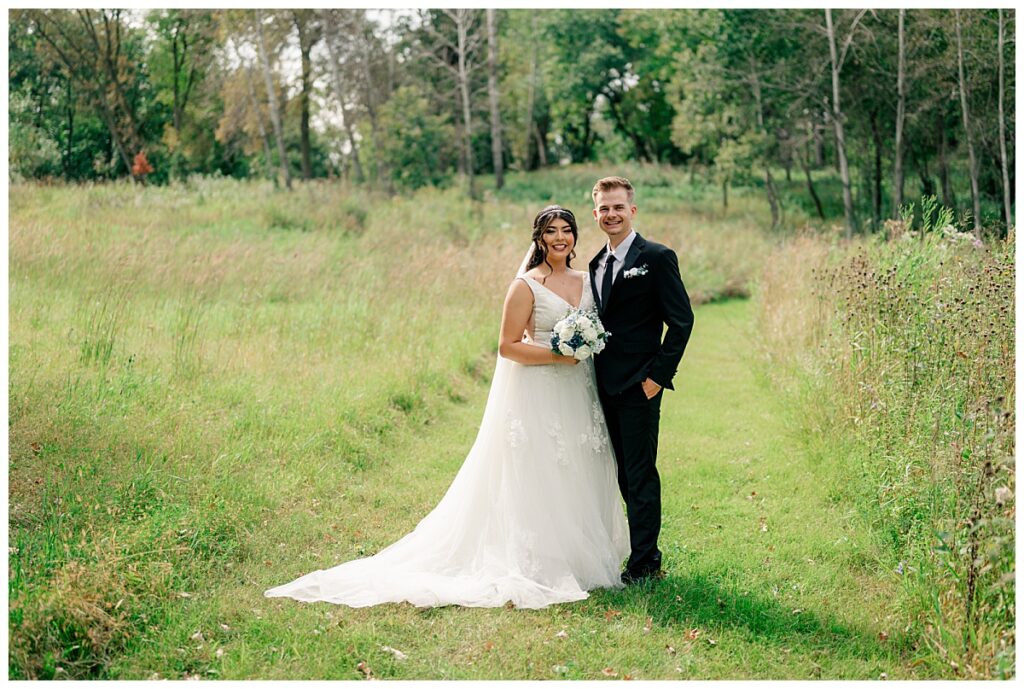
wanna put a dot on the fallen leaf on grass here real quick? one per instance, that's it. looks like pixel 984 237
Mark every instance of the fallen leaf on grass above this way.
pixel 648 625
pixel 627 677
pixel 365 669
pixel 488 645
pixel 882 636
pixel 225 627
pixel 712 642
pixel 610 615
pixel 36 448
pixel 198 636
pixel 753 494
pixel 182 594
pixel 559 669
pixel 692 634
pixel 395 652
pixel 562 634
pixel 219 653
pixel 609 672
pixel 671 650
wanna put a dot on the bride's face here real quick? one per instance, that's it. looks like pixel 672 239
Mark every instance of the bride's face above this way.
pixel 558 239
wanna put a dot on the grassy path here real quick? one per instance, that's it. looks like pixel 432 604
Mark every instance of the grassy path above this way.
pixel 769 575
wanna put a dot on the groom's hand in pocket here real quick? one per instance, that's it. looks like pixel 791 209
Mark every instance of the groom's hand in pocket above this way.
pixel 650 388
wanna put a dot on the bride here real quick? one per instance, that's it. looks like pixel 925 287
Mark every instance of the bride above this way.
pixel 533 517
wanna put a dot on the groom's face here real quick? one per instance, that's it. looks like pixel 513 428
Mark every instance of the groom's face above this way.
pixel 614 213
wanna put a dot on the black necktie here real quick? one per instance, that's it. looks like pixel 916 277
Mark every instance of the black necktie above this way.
pixel 606 282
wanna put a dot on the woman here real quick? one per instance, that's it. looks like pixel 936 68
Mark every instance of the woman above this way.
pixel 533 517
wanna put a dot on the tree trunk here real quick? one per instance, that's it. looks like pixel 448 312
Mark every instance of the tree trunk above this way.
pixel 1007 211
pixel 177 61
pixel 876 182
pixel 462 17
pixel 769 184
pixel 773 197
pixel 108 119
pixel 725 194
pixel 819 148
pixel 837 123
pixel 354 145
pixel 492 92
pixel 70 108
pixel 927 185
pixel 259 123
pixel 588 134
pixel 330 33
pixel 305 48
pixel 975 195
pixel 531 95
pixel 901 99
pixel 945 181
pixel 378 169
pixel 811 190
pixel 542 147
pixel 275 115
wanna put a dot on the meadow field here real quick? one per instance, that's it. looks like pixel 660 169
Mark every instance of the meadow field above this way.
pixel 218 386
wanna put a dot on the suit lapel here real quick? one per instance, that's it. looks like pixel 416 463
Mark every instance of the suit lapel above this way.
pixel 634 253
pixel 594 262
pixel 631 256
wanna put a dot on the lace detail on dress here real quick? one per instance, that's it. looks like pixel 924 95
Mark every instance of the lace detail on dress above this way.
pixel 516 432
pixel 597 437
pixel 557 439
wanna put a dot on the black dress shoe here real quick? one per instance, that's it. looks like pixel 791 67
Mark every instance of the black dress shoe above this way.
pixel 629 578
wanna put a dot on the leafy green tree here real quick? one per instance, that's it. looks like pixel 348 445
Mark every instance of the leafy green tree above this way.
pixel 417 145
pixel 181 59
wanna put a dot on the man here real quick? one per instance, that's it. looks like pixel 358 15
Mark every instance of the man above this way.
pixel 637 287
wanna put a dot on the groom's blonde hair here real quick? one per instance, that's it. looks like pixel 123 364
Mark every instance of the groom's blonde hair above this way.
pixel 609 183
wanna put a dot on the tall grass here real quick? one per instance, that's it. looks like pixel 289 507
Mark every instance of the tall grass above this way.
pixel 904 349
pixel 197 371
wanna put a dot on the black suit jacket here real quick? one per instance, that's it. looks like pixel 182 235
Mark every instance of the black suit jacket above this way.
pixel 637 309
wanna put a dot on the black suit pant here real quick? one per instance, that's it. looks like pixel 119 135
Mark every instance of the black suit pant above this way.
pixel 633 428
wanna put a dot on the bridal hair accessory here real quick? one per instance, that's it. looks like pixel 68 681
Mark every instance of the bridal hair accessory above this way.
pixel 633 272
pixel 545 216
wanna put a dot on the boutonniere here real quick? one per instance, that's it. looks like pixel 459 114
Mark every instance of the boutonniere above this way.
pixel 633 272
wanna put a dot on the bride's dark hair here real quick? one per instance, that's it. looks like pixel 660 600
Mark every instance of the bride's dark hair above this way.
pixel 540 223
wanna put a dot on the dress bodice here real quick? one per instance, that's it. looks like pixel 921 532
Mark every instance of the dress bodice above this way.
pixel 549 308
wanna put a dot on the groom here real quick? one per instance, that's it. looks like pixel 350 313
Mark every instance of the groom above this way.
pixel 637 286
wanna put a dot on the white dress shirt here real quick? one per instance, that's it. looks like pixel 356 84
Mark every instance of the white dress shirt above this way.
pixel 620 257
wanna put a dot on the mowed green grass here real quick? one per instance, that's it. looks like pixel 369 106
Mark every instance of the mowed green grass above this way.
pixel 216 389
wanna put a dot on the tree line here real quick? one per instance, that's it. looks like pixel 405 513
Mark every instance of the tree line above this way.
pixel 898 103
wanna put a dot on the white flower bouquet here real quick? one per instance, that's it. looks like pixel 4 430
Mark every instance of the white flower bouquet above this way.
pixel 579 335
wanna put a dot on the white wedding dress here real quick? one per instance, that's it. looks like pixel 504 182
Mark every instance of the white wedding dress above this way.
pixel 533 516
